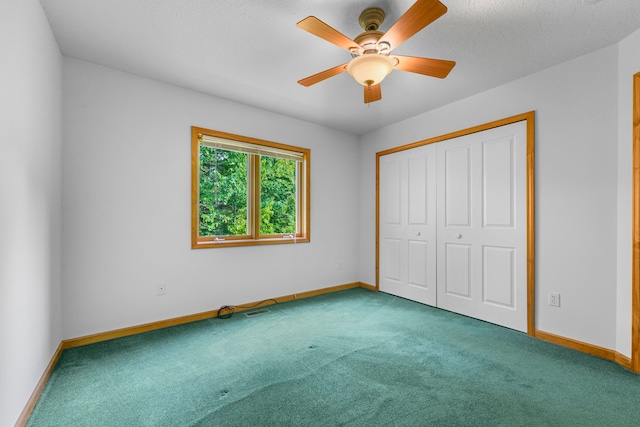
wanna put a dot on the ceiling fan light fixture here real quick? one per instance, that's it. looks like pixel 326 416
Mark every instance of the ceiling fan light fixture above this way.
pixel 370 51
pixel 370 69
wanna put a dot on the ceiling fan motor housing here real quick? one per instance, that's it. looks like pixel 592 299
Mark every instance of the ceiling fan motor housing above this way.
pixel 370 20
pixel 368 42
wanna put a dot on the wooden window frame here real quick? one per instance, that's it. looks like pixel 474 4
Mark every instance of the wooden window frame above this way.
pixel 303 225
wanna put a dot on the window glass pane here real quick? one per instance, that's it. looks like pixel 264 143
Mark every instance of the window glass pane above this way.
pixel 278 195
pixel 223 192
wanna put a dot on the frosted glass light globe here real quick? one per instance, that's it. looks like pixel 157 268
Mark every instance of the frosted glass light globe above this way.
pixel 371 69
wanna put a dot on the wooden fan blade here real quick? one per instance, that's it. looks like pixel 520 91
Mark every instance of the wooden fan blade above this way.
pixel 323 75
pixel 429 67
pixel 372 93
pixel 324 31
pixel 421 14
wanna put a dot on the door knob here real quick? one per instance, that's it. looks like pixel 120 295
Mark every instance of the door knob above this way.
pixel 458 236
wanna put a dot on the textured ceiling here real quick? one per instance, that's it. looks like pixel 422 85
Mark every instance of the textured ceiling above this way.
pixel 252 52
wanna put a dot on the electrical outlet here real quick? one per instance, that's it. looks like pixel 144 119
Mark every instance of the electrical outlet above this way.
pixel 161 289
pixel 554 299
pixel 340 265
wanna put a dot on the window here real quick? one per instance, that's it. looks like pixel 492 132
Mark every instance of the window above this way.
pixel 247 191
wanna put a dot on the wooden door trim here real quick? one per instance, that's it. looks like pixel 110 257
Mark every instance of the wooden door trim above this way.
pixel 530 120
pixel 635 230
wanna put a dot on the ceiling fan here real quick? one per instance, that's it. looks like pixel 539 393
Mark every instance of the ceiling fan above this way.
pixel 371 60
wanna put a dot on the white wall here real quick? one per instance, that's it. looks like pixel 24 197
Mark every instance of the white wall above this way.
pixel 30 325
pixel 127 205
pixel 576 158
pixel 628 65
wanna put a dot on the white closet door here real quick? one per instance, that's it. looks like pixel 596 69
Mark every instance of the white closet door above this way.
pixel 407 252
pixel 481 233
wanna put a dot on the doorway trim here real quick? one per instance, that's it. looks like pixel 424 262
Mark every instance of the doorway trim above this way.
pixel 530 120
pixel 635 230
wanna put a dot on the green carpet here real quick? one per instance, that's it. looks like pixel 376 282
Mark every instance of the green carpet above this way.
pixel 352 358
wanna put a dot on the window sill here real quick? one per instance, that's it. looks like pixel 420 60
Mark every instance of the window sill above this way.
pixel 203 244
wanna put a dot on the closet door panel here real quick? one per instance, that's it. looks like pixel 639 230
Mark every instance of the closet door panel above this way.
pixel 408 218
pixel 482 208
